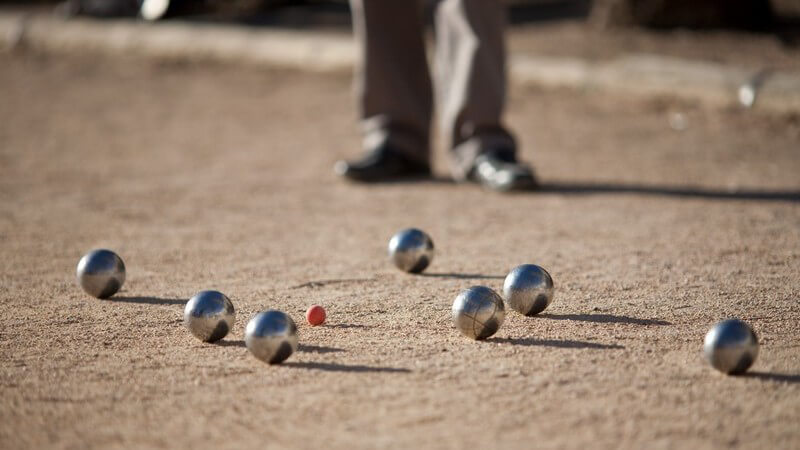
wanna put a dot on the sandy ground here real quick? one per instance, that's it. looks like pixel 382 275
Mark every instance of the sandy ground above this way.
pixel 575 38
pixel 212 177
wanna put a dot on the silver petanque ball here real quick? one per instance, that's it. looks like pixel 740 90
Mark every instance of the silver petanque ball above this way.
pixel 411 250
pixel 731 346
pixel 101 273
pixel 209 315
pixel 528 289
pixel 478 312
pixel 271 336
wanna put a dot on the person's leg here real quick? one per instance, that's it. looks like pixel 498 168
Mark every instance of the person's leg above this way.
pixel 471 92
pixel 393 86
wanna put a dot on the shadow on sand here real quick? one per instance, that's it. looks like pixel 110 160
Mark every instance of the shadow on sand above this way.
pixel 590 188
pixel 301 348
pixel 604 318
pixel 149 300
pixel 347 325
pixel 333 367
pixel 230 343
pixel 777 377
pixel 318 349
pixel 530 342
pixel 462 276
pixel 668 191
pixel 320 283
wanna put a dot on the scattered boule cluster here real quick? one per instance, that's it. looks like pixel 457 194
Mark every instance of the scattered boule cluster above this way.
pixel 731 346
pixel 478 312
pixel 271 336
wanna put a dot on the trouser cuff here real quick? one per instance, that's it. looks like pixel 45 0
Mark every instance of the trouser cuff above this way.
pixel 413 144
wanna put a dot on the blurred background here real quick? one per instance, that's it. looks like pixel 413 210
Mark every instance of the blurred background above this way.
pixel 765 15
pixel 748 33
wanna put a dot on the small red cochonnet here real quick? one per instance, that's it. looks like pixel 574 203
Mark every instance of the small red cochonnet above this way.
pixel 315 315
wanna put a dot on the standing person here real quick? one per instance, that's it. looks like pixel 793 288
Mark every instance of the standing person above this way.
pixel 395 94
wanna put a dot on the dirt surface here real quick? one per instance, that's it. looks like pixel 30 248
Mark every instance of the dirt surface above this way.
pixel 575 38
pixel 213 177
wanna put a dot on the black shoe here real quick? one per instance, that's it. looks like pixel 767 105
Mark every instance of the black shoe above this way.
pixel 500 171
pixel 382 164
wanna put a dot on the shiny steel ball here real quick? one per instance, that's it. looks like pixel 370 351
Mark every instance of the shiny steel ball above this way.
pixel 101 273
pixel 528 289
pixel 411 250
pixel 478 312
pixel 271 336
pixel 209 315
pixel 731 346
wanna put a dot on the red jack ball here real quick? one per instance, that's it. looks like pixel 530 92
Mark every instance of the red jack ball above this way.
pixel 315 315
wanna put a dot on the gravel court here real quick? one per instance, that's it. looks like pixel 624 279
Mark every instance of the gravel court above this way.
pixel 215 177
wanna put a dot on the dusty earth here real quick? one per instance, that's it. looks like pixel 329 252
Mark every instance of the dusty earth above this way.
pixel 574 38
pixel 215 177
